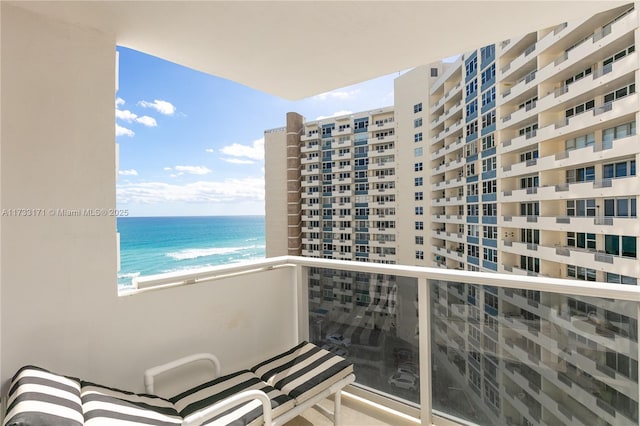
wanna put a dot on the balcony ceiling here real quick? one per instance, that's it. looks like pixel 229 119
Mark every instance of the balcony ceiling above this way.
pixel 295 49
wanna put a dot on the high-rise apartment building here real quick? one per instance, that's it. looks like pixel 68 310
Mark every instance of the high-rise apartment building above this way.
pixel 519 157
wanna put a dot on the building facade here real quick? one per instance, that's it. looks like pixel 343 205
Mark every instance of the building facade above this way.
pixel 519 157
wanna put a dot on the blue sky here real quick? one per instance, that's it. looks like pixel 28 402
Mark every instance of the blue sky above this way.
pixel 191 144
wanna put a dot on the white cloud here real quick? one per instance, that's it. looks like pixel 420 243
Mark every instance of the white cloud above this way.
pixel 167 169
pixel 119 101
pixel 209 150
pixel 194 170
pixel 130 172
pixel 147 121
pixel 254 151
pixel 238 161
pixel 335 114
pixel 126 115
pixel 227 191
pixel 123 131
pixel 163 107
pixel 337 94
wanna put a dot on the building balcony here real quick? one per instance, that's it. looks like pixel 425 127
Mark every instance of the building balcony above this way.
pixel 381 139
pixel 310 137
pixel 454 145
pixel 451 165
pixel 599 40
pixel 525 58
pixel 599 188
pixel 377 152
pixel 599 225
pixel 521 85
pixel 343 132
pixel 623 147
pixel 598 78
pixel 383 125
pixel 449 236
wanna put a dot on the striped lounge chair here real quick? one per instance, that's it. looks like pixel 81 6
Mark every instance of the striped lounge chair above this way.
pixel 271 393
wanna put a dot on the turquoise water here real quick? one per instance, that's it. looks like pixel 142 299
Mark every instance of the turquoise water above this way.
pixel 154 245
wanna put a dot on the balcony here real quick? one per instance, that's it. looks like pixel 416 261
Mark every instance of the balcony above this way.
pixel 603 152
pixel 600 225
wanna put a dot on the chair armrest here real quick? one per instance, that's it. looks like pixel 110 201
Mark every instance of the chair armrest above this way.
pixel 198 417
pixel 151 373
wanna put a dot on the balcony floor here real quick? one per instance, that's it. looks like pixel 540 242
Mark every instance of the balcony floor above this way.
pixel 354 413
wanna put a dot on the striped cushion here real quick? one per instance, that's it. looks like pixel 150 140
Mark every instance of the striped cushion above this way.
pixel 105 406
pixel 209 393
pixel 38 397
pixel 303 371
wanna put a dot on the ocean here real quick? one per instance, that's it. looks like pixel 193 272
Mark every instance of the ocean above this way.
pixel 155 245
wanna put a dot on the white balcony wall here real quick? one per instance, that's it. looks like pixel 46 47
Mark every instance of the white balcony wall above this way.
pixel 60 307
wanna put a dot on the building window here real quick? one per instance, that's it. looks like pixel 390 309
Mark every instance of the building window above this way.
pixel 620 169
pixel 488 73
pixel 472 210
pixel 472 107
pixel 417 122
pixel 624 246
pixel 488 142
pixel 620 93
pixel 419 211
pixel 417 107
pixel 417 137
pixel 579 109
pixel 472 189
pixel 490 232
pixel 578 76
pixel 581 207
pixel 417 152
pixel 472 127
pixel 473 230
pixel 417 167
pixel 487 52
pixel 471 66
pixel 489 209
pixel 582 174
pixel 529 182
pixel 471 169
pixel 419 254
pixel 471 87
pixel 529 263
pixel 489 164
pixel 581 240
pixel 434 72
pixel 530 209
pixel 531 236
pixel 489 186
pixel 529 155
pixel 419 240
pixel 418 196
pixel 580 141
pixel 419 225
pixel 620 279
pixel 417 181
pixel 528 131
pixel 489 118
pixel 581 273
pixel 618 132
pixel 471 148
pixel 620 207
pixel 489 96
pixel 473 250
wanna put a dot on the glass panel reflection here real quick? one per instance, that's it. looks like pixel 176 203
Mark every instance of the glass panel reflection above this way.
pixel 520 357
pixel 372 320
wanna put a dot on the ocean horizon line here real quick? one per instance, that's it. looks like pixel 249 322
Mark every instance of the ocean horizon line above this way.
pixel 188 216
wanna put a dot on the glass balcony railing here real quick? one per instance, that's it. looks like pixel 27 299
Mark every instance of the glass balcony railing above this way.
pixel 489 349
